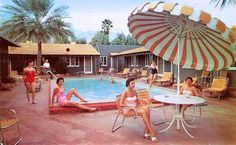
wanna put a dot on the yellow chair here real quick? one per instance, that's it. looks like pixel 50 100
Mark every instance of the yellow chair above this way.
pixel 184 83
pixel 14 74
pixel 125 73
pixel 120 113
pixel 223 73
pixel 8 118
pixel 145 99
pixel 166 78
pixel 144 75
pixel 218 87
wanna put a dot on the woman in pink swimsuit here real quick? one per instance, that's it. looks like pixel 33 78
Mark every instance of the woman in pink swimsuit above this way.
pixel 129 102
pixel 65 100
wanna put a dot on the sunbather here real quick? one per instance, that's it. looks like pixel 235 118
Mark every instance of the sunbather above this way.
pixel 129 104
pixel 65 100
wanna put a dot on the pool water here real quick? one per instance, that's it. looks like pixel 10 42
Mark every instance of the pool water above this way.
pixel 99 90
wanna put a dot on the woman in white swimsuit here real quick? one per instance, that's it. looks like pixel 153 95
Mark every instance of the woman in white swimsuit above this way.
pixel 130 104
pixel 189 89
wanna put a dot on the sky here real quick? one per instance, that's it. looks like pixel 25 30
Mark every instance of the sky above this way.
pixel 86 16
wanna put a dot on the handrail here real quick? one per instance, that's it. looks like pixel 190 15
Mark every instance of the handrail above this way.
pixel 50 72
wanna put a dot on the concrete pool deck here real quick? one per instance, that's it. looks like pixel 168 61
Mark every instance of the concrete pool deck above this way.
pixel 217 126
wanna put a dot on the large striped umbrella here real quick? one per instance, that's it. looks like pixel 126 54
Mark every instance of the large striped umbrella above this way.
pixel 183 35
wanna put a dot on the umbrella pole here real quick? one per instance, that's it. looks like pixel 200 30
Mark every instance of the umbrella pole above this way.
pixel 178 87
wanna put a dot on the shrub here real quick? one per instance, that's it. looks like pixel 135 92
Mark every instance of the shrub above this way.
pixel 61 67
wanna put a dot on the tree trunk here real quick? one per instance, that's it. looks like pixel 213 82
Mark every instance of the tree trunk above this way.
pixel 39 56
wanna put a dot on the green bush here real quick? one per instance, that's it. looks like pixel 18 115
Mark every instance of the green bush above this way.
pixel 8 80
pixel 61 67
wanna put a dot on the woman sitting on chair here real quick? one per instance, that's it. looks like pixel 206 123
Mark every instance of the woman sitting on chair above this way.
pixel 130 105
pixel 189 89
pixel 65 100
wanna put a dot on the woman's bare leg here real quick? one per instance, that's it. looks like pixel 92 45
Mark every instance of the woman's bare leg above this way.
pixel 74 92
pixel 27 87
pixel 146 121
pixel 33 92
pixel 80 106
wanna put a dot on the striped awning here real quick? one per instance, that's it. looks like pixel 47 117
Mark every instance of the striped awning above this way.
pixel 205 43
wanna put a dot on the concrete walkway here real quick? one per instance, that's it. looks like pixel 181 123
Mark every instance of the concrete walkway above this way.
pixel 217 126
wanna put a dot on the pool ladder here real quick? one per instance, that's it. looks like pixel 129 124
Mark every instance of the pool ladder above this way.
pixel 50 72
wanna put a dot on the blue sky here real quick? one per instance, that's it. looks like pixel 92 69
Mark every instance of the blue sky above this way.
pixel 86 15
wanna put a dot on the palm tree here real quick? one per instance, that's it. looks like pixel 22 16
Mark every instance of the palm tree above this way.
pixel 224 3
pixel 106 25
pixel 34 20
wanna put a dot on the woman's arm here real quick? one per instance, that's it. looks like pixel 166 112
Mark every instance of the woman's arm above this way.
pixel 195 91
pixel 122 99
pixel 55 91
pixel 181 90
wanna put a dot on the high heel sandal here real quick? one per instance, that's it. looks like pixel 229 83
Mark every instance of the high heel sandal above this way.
pixel 153 138
pixel 146 135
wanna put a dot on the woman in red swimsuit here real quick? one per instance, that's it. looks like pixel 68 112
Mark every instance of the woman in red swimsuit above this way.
pixel 29 80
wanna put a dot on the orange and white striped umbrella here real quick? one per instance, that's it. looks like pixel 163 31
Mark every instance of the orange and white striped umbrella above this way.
pixel 205 43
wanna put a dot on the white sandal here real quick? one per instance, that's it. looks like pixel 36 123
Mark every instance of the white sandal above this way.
pixel 153 138
pixel 146 135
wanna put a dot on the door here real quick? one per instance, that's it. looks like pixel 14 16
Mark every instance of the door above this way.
pixel 88 65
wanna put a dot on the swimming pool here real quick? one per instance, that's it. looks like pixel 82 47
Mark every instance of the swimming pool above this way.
pixel 101 90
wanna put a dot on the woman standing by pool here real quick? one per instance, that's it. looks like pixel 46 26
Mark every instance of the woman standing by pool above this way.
pixel 65 100
pixel 129 104
pixel 29 74
pixel 154 70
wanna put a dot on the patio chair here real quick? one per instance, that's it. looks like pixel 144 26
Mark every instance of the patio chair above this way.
pixel 8 118
pixel 204 77
pixel 184 83
pixel 166 78
pixel 125 73
pixel 134 73
pixel 144 75
pixel 196 107
pixel 14 74
pixel 120 114
pixel 222 74
pixel 218 87
pixel 145 99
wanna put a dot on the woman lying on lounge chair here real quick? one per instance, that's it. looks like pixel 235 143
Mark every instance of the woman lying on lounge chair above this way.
pixel 130 104
pixel 65 100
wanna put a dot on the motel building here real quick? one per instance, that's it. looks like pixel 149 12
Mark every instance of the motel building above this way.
pixel 80 58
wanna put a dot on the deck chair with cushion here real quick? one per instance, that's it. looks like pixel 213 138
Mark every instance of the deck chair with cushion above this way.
pixel 8 119
pixel 144 75
pixel 166 78
pixel 125 73
pixel 14 74
pixel 145 99
pixel 218 87
pixel 222 74
pixel 184 83
pixel 121 115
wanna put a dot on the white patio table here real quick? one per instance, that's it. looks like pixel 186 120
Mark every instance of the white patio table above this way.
pixel 178 114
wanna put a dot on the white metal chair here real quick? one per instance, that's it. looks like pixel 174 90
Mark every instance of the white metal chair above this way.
pixel 120 114
pixel 8 118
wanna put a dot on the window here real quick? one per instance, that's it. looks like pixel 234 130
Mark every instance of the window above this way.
pixel 103 61
pixel 73 61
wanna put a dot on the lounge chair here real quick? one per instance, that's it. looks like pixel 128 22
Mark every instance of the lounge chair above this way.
pixel 184 83
pixel 8 118
pixel 14 74
pixel 144 75
pixel 125 73
pixel 145 99
pixel 218 87
pixel 166 78
pixel 222 74
pixel 120 114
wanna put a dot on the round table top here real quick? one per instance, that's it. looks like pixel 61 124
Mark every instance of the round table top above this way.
pixel 181 99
